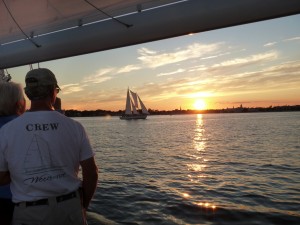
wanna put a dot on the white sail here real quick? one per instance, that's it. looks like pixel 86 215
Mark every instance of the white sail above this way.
pixel 128 105
pixel 135 100
pixel 134 109
pixel 144 109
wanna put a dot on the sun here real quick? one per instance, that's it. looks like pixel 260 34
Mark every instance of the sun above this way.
pixel 200 104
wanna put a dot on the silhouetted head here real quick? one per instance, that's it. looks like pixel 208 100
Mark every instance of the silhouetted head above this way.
pixel 12 101
pixel 40 84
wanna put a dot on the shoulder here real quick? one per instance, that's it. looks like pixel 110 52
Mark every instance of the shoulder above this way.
pixel 70 121
pixel 8 121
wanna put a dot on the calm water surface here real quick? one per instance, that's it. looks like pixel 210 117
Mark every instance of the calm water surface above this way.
pixel 198 169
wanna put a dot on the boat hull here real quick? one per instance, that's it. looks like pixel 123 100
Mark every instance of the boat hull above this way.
pixel 133 117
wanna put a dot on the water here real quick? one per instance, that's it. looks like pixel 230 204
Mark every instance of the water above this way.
pixel 198 169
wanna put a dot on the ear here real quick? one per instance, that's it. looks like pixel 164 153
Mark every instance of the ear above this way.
pixel 53 96
pixel 21 107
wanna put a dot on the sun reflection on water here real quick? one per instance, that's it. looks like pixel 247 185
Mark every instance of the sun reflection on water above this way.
pixel 199 142
pixel 206 205
pixel 211 207
pixel 198 165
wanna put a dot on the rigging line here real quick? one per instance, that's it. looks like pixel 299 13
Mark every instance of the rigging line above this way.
pixel 8 77
pixel 36 45
pixel 119 21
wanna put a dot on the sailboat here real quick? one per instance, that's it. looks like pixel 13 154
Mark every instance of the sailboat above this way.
pixel 135 108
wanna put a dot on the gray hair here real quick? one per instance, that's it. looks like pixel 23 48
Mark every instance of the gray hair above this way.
pixel 10 94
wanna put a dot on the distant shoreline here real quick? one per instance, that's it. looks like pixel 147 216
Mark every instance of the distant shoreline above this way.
pixel 241 109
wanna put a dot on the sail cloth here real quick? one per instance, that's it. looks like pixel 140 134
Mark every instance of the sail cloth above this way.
pixel 144 110
pixel 135 99
pixel 128 104
pixel 134 111
pixel 49 24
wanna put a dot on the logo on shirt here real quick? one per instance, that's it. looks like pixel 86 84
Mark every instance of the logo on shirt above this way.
pixel 39 164
pixel 41 127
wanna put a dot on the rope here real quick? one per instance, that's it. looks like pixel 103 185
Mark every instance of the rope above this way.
pixel 36 45
pixel 119 21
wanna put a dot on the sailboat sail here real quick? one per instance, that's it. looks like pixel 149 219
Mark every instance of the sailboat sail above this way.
pixel 132 110
pixel 135 99
pixel 144 110
pixel 128 104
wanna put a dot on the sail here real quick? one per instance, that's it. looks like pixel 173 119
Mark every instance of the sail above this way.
pixel 144 109
pixel 132 110
pixel 128 106
pixel 135 100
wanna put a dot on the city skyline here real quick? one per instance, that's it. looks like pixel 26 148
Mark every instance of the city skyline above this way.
pixel 256 64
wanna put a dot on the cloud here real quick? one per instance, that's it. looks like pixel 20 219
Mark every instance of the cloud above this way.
pixel 285 76
pixel 198 68
pixel 154 59
pixel 248 60
pixel 171 73
pixel 100 76
pixel 128 68
pixel 270 44
pixel 216 56
pixel 274 78
pixel 293 39
pixel 71 88
pixel 146 51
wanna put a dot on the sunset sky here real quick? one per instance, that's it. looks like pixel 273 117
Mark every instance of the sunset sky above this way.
pixel 256 64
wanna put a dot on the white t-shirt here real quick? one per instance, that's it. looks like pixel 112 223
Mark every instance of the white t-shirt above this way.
pixel 42 151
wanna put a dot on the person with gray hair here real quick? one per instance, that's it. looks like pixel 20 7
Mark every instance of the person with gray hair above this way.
pixel 12 104
pixel 43 151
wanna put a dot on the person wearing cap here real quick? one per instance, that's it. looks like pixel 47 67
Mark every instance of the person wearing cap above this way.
pixel 12 104
pixel 43 151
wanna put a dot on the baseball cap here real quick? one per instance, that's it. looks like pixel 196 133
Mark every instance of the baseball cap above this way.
pixel 40 77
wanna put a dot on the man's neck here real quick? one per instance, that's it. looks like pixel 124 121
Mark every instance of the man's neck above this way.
pixel 39 105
